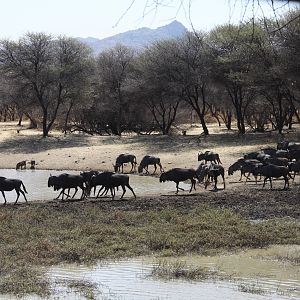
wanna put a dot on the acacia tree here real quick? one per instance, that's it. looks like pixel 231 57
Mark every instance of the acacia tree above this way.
pixel 234 59
pixel 274 72
pixel 114 69
pixel 153 85
pixel 48 69
pixel 193 71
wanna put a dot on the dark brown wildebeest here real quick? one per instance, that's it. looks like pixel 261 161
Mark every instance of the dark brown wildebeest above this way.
pixel 123 159
pixel 294 167
pixel 211 172
pixel 7 184
pixel 149 160
pixel 21 165
pixel 246 166
pixel 270 171
pixel 67 181
pixel 179 174
pixel 209 156
pixel 110 181
pixel 288 145
pixel 101 178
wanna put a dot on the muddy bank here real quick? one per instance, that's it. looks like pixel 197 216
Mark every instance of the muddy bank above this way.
pixel 252 202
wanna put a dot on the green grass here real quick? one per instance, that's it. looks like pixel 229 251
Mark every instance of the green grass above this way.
pixel 44 235
pixel 180 270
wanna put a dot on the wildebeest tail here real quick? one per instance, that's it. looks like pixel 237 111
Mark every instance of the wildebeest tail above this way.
pixel 24 188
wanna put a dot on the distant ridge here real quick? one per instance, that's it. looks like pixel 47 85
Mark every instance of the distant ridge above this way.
pixel 138 38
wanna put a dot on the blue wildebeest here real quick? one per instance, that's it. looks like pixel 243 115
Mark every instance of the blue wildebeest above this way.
pixel 209 156
pixel 149 160
pixel 123 159
pixel 67 181
pixel 246 166
pixel 272 171
pixel 211 172
pixel 110 181
pixel 179 174
pixel 7 184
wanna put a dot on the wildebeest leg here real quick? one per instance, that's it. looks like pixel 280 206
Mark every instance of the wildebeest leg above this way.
pixel 112 192
pixel 247 177
pixel 124 191
pixel 23 195
pixel 216 181
pixel 3 197
pixel 83 192
pixel 271 182
pixel 193 184
pixel 206 182
pixel 241 176
pixel 131 190
pixel 76 189
pixel 286 182
pixel 178 188
pixel 102 187
pixel 223 180
pixel 63 193
pixel 265 180
pixel 161 168
pixel 155 167
pixel 18 195
pixel 122 168
pixel 146 169
pixel 58 195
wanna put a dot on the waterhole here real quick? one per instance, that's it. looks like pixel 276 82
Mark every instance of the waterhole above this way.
pixel 252 274
pixel 36 183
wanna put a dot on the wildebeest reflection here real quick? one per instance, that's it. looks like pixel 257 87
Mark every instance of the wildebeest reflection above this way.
pixel 7 184
pixel 67 181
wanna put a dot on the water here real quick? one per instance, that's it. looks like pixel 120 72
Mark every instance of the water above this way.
pixel 36 183
pixel 131 279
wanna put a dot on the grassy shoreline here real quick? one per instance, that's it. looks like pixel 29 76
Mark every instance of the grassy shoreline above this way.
pixel 45 234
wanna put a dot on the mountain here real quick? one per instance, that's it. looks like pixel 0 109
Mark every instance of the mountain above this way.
pixel 137 39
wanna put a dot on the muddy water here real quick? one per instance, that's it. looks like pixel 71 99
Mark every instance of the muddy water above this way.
pixel 255 274
pixel 36 182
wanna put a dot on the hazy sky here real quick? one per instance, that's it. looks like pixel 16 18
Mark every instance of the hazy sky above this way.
pixel 103 18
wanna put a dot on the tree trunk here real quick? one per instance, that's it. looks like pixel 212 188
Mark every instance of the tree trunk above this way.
pixel 67 117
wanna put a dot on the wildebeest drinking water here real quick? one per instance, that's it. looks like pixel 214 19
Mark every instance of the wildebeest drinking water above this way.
pixel 7 184
pixel 67 181
pixel 179 174
pixel 123 159
pixel 149 160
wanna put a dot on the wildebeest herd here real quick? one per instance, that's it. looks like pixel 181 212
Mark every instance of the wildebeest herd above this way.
pixel 283 161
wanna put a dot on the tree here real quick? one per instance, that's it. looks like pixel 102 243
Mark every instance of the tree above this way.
pixel 114 68
pixel 48 69
pixel 153 85
pixel 234 58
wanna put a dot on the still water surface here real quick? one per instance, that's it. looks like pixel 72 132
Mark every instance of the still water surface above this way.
pixel 36 183
pixel 254 274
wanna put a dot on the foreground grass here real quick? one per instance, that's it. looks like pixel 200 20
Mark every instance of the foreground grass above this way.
pixel 33 236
